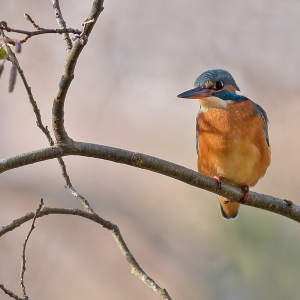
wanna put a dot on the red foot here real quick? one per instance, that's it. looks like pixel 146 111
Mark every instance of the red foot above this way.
pixel 246 194
pixel 219 181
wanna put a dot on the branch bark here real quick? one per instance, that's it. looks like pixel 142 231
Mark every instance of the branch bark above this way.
pixel 60 133
pixel 46 132
pixel 10 293
pixel 23 265
pixel 40 31
pixel 62 24
pixel 276 205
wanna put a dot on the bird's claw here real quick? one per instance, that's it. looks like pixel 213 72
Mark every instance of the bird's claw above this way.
pixel 219 181
pixel 246 193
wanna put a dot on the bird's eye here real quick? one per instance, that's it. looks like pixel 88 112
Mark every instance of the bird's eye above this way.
pixel 219 85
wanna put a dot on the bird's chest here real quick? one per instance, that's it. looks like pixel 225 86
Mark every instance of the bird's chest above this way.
pixel 226 144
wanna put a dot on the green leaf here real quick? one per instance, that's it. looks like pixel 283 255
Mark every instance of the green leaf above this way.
pixel 2 53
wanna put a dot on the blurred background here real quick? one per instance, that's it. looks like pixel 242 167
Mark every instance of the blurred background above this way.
pixel 140 55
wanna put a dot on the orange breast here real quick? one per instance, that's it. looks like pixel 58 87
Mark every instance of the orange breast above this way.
pixel 232 144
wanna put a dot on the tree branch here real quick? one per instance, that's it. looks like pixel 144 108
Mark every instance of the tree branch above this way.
pixel 40 31
pixel 9 293
pixel 33 103
pixel 114 230
pixel 62 24
pixel 45 130
pixel 143 161
pixel 23 265
pixel 60 133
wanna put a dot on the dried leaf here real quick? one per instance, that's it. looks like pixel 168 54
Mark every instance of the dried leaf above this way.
pixel 12 78
pixel 18 47
pixel 1 69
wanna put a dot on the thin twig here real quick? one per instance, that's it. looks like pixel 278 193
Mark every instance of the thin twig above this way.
pixel 82 35
pixel 41 31
pixel 71 188
pixel 45 130
pixel 37 113
pixel 33 103
pixel 136 268
pixel 9 293
pixel 60 132
pixel 115 231
pixel 62 24
pixel 23 264
pixel 28 18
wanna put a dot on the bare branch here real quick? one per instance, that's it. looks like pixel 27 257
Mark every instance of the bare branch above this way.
pixel 39 32
pixel 2 67
pixel 12 78
pixel 80 198
pixel 28 18
pixel 136 269
pixel 115 231
pixel 143 161
pixel 60 133
pixel 45 130
pixel 9 293
pixel 71 188
pixel 23 265
pixel 33 103
pixel 62 24
pixel 87 25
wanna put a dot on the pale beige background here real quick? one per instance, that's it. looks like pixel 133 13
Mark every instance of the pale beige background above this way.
pixel 139 57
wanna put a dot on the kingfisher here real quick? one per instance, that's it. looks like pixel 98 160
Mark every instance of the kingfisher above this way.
pixel 232 139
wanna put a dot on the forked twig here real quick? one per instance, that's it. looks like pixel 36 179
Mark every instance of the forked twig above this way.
pixel 41 31
pixel 45 130
pixel 28 18
pixel 23 264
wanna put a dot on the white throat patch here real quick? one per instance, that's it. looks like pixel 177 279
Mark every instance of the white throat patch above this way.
pixel 215 102
pixel 212 102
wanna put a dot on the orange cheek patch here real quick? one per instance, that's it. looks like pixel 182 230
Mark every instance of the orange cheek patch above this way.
pixel 229 88
pixel 208 84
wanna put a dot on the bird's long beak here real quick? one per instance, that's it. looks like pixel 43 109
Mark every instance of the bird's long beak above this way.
pixel 196 93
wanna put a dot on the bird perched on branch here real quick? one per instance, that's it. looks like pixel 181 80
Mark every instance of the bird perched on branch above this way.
pixel 232 135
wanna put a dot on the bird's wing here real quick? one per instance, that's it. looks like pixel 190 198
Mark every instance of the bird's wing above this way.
pixel 197 129
pixel 263 114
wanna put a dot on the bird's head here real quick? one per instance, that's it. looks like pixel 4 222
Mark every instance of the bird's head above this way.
pixel 215 89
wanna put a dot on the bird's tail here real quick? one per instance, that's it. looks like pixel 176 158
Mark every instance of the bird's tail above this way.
pixel 229 210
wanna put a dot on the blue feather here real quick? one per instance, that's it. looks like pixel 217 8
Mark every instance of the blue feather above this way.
pixel 197 129
pixel 227 95
pixel 259 110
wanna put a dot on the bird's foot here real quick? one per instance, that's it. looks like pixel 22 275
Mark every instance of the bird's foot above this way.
pixel 246 193
pixel 219 181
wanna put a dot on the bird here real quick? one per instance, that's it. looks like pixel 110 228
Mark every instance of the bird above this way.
pixel 232 139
